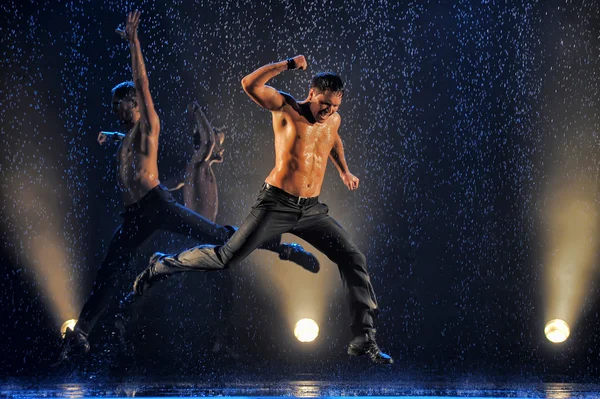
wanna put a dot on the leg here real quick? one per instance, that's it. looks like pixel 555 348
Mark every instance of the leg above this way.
pixel 178 219
pixel 322 231
pixel 262 224
pixel 124 241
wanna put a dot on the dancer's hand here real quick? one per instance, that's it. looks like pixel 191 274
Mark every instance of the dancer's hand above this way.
pixel 105 137
pixel 131 26
pixel 102 138
pixel 350 180
pixel 300 62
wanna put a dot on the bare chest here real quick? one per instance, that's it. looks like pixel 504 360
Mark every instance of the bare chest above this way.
pixel 131 145
pixel 126 152
pixel 319 139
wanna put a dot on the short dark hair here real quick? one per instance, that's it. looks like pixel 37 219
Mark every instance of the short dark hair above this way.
pixel 125 91
pixel 324 81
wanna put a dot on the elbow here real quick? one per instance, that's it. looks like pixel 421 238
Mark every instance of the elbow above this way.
pixel 154 126
pixel 246 84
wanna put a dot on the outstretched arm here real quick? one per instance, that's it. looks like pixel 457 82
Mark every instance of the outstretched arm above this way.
pixel 140 77
pixel 104 137
pixel 266 96
pixel 337 157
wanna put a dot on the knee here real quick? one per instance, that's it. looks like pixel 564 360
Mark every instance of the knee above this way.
pixel 359 259
pixel 355 258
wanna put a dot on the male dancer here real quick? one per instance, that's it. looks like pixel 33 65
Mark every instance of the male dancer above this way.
pixel 200 191
pixel 148 205
pixel 306 134
pixel 200 194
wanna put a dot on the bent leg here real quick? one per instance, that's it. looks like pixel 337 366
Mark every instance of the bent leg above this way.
pixel 260 226
pixel 176 218
pixel 322 231
pixel 125 240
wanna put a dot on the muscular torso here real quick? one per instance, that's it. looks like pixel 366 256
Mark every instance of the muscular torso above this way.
pixel 301 151
pixel 138 166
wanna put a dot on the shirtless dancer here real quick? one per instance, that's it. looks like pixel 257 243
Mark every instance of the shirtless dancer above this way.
pixel 306 134
pixel 148 205
pixel 201 194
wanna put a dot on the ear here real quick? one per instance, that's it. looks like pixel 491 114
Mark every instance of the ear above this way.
pixel 311 94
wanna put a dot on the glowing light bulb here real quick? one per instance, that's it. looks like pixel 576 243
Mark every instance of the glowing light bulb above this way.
pixel 306 330
pixel 557 331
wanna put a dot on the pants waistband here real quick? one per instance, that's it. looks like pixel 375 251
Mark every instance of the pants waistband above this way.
pixel 140 203
pixel 296 200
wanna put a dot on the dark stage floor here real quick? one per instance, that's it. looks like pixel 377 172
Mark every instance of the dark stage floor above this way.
pixel 299 388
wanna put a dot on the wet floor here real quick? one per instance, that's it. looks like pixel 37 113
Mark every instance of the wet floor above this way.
pixel 299 388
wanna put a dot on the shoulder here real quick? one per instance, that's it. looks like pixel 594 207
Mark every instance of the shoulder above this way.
pixel 336 119
pixel 289 99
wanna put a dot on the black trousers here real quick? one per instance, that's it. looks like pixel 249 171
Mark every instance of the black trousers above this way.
pixel 274 213
pixel 157 210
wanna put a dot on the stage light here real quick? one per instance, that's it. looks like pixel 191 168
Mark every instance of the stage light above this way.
pixel 41 232
pixel 298 293
pixel 67 324
pixel 557 331
pixel 572 223
pixel 306 330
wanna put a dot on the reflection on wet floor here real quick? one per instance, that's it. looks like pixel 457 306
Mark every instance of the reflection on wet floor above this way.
pixel 301 389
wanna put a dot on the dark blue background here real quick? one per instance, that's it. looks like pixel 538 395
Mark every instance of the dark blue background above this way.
pixel 455 115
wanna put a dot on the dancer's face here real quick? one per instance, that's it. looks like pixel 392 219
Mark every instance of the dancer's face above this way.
pixel 324 104
pixel 124 109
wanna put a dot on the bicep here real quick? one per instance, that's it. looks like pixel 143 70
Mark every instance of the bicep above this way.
pixel 266 96
pixel 337 149
pixel 337 146
pixel 147 110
